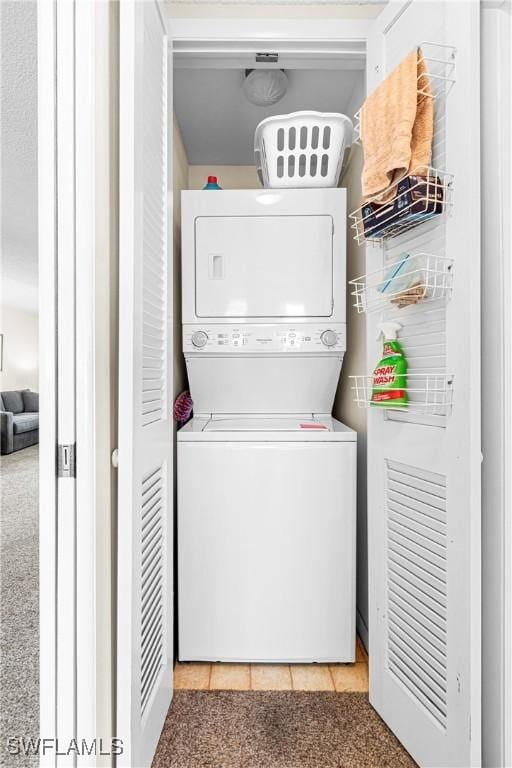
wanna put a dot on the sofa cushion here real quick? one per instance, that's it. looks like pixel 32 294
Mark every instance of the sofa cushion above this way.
pixel 6 432
pixel 25 422
pixel 13 402
pixel 30 401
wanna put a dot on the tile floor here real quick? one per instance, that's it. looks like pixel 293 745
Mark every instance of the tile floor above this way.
pixel 343 678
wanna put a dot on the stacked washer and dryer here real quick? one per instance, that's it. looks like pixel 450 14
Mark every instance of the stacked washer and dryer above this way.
pixel 266 476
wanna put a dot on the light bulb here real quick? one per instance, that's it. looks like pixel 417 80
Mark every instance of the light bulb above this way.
pixel 264 87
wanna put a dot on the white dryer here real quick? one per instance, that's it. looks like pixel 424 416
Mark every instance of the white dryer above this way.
pixel 266 478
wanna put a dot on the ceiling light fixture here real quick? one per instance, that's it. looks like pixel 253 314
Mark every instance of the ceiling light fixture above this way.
pixel 264 87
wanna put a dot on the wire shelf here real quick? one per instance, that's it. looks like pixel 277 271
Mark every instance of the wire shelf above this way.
pixel 436 84
pixel 414 278
pixel 427 393
pixel 422 195
pixel 425 192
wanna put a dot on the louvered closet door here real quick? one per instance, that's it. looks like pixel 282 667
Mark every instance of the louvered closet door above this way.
pixel 144 632
pixel 424 463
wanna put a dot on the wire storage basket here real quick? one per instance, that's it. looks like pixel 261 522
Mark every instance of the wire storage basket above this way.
pixel 427 393
pixel 423 194
pixel 302 149
pixel 426 191
pixel 404 282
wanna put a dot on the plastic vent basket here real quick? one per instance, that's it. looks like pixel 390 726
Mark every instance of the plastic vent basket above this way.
pixel 302 149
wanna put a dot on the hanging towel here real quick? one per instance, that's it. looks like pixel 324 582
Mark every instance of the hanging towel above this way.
pixel 397 126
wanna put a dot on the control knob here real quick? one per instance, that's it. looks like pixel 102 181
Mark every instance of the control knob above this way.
pixel 329 338
pixel 199 339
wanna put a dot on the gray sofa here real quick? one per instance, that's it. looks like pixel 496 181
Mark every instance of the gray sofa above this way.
pixel 19 420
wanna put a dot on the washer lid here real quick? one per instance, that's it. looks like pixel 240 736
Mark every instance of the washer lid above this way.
pixel 268 424
pixel 288 428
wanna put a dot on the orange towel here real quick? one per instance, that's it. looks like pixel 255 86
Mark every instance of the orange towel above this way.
pixel 397 126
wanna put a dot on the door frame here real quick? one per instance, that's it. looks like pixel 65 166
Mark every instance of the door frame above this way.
pixel 57 513
pixel 75 43
pixel 223 43
pixel 496 35
pixel 46 33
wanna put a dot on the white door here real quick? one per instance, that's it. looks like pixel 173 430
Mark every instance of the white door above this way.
pixel 72 47
pixel 57 506
pixel 424 468
pixel 145 598
pixel 264 266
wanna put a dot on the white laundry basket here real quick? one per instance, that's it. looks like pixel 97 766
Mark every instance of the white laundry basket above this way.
pixel 302 149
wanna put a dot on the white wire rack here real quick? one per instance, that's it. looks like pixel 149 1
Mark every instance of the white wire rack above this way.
pixel 440 61
pixel 427 277
pixel 427 393
pixel 422 195
pixel 426 192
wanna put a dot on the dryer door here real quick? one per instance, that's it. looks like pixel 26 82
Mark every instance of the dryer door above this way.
pixel 264 266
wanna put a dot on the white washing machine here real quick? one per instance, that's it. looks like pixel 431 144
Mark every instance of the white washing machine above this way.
pixel 266 477
pixel 266 539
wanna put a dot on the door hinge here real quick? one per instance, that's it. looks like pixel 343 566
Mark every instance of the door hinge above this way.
pixel 66 460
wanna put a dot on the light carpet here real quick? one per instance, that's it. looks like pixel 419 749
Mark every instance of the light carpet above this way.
pixel 276 729
pixel 19 602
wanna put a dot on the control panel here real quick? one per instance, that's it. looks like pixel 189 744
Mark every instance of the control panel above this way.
pixel 241 339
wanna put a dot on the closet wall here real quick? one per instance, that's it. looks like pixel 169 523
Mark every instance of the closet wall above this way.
pixel 180 181
pixel 344 407
pixel 229 176
pixel 496 164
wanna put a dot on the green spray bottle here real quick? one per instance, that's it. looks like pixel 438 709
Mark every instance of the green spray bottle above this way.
pixel 389 386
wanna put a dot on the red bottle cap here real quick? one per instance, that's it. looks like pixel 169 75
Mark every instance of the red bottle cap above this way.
pixel 212 179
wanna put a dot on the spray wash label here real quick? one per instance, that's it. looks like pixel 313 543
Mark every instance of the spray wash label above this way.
pixel 389 385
